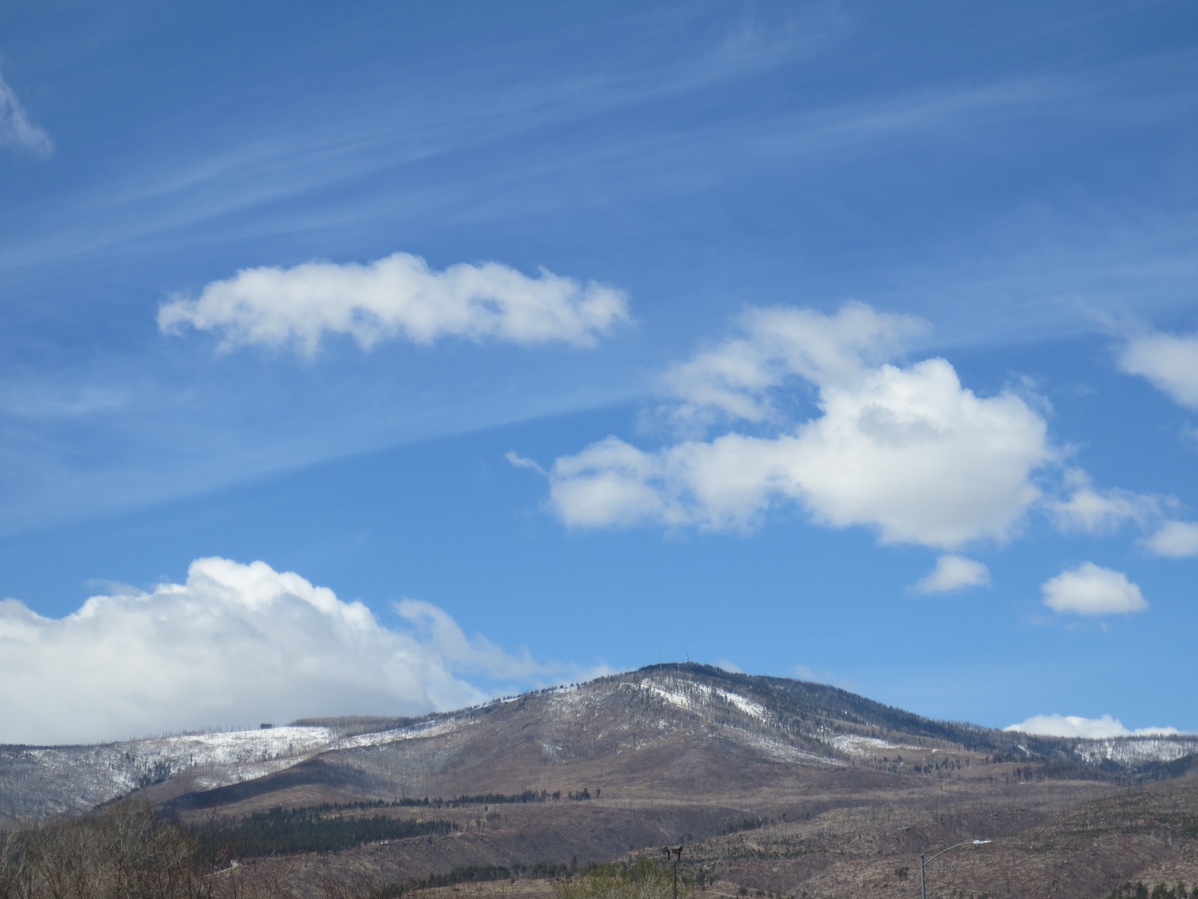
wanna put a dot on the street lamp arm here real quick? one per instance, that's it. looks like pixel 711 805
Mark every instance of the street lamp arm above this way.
pixel 958 846
pixel 923 863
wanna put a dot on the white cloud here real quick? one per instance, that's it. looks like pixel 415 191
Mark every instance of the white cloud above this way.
pixel 1087 728
pixel 1092 511
pixel 234 645
pixel 1091 590
pixel 735 378
pixel 517 461
pixel 954 573
pixel 1174 540
pixel 397 297
pixel 906 450
pixel 17 129
pixel 1168 361
pixel 807 673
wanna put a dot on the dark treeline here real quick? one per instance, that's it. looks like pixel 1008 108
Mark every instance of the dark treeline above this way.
pixel 1161 891
pixel 457 801
pixel 488 873
pixel 284 831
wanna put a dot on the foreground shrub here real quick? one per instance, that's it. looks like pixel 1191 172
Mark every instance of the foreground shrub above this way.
pixel 641 879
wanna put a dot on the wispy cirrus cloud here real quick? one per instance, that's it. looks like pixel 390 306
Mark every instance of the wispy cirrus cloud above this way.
pixel 234 644
pixel 17 129
pixel 397 297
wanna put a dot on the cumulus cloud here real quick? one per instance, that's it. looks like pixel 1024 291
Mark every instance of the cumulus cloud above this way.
pixel 1174 540
pixel 1168 361
pixel 1092 590
pixel 736 378
pixel 1087 728
pixel 954 572
pixel 17 130
pixel 398 297
pixel 233 645
pixel 904 449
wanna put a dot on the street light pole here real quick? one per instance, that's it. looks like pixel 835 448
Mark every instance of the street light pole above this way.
pixel 923 863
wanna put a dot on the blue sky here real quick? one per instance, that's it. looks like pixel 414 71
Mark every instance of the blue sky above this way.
pixel 386 357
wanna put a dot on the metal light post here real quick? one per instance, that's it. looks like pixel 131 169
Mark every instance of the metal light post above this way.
pixel 923 863
pixel 676 856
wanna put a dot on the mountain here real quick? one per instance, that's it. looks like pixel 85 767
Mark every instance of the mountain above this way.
pixel 772 782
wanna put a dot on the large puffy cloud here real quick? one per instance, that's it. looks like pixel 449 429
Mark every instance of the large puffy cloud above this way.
pixel 234 645
pixel 1086 728
pixel 1092 590
pixel 1170 362
pixel 906 450
pixel 396 297
pixel 17 129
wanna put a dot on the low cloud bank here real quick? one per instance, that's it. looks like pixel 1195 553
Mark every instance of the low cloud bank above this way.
pixel 1088 728
pixel 234 645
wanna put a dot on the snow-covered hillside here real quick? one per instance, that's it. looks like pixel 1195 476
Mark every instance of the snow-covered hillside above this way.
pixel 35 782
pixel 762 719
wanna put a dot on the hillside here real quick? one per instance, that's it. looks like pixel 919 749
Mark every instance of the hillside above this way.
pixel 773 784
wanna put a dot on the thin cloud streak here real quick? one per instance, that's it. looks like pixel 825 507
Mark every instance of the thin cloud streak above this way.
pixel 17 129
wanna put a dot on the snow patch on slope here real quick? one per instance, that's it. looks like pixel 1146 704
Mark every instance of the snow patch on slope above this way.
pixel 76 778
pixel 855 745
pixel 692 696
pixel 1130 750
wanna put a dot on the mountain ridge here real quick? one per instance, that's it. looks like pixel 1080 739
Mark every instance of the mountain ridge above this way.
pixel 767 720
